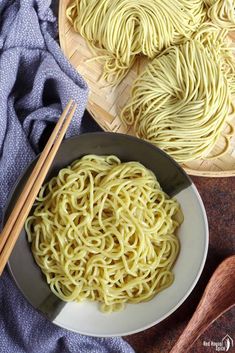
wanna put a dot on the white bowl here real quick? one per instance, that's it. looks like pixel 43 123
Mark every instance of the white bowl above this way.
pixel 85 317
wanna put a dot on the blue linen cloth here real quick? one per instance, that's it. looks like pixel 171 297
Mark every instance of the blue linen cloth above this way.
pixel 36 82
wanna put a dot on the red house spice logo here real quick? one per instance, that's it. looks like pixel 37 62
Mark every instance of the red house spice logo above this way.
pixel 222 346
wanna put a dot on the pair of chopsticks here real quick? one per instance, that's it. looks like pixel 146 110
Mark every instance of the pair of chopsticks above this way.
pixel 17 218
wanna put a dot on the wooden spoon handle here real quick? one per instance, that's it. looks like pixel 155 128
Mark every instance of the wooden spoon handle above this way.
pixel 218 297
pixel 197 325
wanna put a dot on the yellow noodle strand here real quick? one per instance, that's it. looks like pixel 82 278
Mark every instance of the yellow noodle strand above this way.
pixel 182 100
pixel 105 231
pixel 120 30
pixel 222 13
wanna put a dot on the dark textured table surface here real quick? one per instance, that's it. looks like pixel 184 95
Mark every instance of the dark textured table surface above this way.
pixel 218 196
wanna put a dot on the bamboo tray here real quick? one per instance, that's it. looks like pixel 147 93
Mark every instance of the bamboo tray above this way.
pixel 105 102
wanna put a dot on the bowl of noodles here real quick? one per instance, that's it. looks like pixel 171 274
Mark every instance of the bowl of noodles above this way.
pixel 116 240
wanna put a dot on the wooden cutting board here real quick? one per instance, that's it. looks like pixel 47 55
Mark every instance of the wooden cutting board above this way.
pixel 105 102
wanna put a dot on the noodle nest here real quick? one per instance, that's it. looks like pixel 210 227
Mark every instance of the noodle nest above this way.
pixel 182 101
pixel 119 30
pixel 105 231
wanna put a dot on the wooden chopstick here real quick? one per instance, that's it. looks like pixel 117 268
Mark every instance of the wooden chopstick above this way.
pixel 25 202
pixel 12 218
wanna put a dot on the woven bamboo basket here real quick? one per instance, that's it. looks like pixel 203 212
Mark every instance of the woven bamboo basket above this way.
pixel 105 102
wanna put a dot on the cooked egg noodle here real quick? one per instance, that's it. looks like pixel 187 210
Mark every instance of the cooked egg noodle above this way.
pixel 105 231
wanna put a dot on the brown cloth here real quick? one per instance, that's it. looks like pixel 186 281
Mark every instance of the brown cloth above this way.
pixel 218 195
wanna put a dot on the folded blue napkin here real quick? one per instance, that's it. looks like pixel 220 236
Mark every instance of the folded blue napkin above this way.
pixel 36 82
